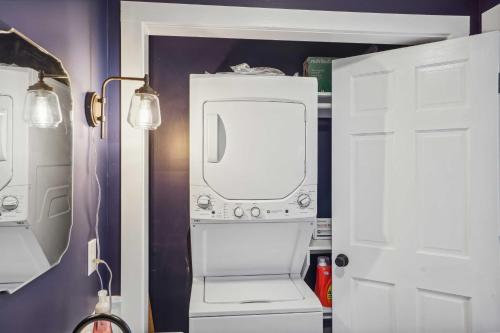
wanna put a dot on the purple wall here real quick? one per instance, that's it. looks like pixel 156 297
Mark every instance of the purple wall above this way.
pixel 111 232
pixel 75 32
pixel 431 7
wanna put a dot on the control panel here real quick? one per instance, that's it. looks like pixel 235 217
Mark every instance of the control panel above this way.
pixel 207 205
pixel 13 204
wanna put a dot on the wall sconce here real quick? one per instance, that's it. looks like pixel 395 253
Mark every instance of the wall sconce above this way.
pixel 41 106
pixel 144 111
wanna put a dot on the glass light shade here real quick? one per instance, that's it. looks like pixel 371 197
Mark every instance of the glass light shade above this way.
pixel 42 109
pixel 144 112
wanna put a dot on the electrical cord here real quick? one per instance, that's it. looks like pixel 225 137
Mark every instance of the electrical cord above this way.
pixel 98 209
pixel 98 259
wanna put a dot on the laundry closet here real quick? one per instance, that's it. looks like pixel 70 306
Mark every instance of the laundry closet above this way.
pixel 410 134
pixel 286 56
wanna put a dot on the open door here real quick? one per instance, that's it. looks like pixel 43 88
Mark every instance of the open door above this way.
pixel 416 189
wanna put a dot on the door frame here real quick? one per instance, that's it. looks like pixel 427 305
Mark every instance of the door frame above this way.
pixel 490 19
pixel 139 20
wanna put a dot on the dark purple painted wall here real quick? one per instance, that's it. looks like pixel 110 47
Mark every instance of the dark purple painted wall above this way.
pixel 111 231
pixel 76 32
pixel 431 7
pixel 172 60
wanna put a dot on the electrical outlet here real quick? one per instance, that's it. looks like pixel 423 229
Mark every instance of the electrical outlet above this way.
pixel 91 256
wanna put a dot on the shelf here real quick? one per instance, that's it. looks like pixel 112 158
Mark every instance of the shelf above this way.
pixel 324 107
pixel 324 110
pixel 324 113
pixel 320 246
pixel 327 313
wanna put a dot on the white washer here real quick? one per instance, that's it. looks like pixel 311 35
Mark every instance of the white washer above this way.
pixel 253 177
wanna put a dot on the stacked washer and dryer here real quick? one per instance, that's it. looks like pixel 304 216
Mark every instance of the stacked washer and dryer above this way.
pixel 253 189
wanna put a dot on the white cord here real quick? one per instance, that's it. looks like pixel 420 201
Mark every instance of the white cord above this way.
pixel 98 260
pixel 98 208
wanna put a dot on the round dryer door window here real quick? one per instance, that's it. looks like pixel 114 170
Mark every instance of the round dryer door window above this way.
pixel 254 149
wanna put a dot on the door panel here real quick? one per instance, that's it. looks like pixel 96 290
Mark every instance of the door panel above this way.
pixel 442 312
pixel 371 226
pixel 259 145
pixel 416 182
pixel 367 295
pixel 442 174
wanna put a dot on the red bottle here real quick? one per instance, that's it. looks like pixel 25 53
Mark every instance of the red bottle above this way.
pixel 323 287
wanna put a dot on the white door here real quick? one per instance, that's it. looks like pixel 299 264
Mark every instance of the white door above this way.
pixel 260 145
pixel 416 189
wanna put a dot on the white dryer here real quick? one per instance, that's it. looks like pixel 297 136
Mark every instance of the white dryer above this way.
pixel 253 180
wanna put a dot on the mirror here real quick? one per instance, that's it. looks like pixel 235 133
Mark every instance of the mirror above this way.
pixel 35 161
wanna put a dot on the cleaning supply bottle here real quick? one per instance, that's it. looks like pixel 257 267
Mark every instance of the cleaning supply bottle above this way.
pixel 323 287
pixel 102 307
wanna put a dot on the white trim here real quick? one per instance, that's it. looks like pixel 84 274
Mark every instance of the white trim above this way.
pixel 134 186
pixel 139 20
pixel 165 19
pixel 490 19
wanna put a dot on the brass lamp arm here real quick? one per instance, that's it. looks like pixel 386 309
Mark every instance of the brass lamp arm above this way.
pixel 42 75
pixel 41 85
pixel 94 103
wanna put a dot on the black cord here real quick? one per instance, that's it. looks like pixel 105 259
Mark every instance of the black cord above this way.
pixel 105 317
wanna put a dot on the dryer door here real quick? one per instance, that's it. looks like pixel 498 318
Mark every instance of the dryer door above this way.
pixel 254 149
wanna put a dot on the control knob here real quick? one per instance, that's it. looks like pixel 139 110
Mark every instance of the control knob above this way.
pixel 238 212
pixel 10 202
pixel 255 211
pixel 342 260
pixel 203 201
pixel 304 200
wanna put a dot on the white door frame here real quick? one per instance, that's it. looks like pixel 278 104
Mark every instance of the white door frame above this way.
pixel 139 20
pixel 490 19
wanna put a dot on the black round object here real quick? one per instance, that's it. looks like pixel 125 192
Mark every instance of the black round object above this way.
pixel 104 317
pixel 342 260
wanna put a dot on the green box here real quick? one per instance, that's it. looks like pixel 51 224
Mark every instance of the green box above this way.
pixel 320 68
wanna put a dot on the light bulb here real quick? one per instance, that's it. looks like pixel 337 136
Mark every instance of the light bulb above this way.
pixel 144 112
pixel 42 109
